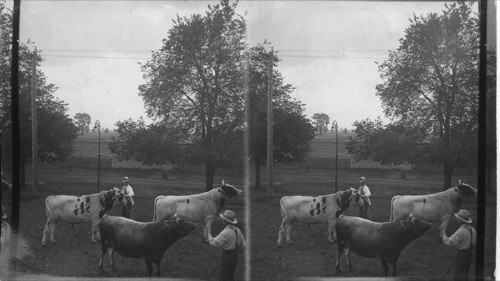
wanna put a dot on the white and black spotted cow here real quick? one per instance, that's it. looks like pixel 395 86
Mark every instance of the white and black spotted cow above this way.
pixel 74 209
pixel 312 210
pixel 201 207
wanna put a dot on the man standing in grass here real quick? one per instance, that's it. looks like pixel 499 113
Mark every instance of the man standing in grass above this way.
pixel 230 239
pixel 464 239
pixel 364 203
pixel 128 201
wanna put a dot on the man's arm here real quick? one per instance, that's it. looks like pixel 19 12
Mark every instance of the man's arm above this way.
pixel 452 240
pixel 219 240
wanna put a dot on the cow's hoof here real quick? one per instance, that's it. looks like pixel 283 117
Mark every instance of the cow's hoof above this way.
pixel 278 245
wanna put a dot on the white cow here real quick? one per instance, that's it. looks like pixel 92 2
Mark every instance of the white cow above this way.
pixel 312 210
pixel 201 207
pixel 83 209
pixel 431 207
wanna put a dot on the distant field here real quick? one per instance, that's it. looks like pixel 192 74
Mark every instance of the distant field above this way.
pixel 88 145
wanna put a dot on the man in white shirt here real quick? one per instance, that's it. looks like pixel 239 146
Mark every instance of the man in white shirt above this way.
pixel 128 201
pixel 464 239
pixel 229 239
pixel 365 202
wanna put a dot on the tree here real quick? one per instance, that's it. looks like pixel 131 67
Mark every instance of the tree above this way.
pixel 56 130
pixel 82 122
pixel 194 88
pixel 430 92
pixel 291 130
pixel 321 121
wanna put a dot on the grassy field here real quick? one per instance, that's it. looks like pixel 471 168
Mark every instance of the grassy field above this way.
pixel 74 255
pixel 311 255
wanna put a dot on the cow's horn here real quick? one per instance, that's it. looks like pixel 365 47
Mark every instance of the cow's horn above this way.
pixel 459 182
pixel 223 183
pixel 175 215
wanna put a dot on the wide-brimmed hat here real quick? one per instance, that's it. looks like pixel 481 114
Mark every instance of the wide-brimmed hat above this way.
pixel 229 216
pixel 125 179
pixel 362 179
pixel 464 216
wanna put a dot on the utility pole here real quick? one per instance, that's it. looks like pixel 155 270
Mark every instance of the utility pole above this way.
pixel 34 129
pixel 98 127
pixel 334 123
pixel 270 158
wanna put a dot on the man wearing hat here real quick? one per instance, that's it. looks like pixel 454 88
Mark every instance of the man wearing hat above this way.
pixel 463 239
pixel 229 239
pixel 365 202
pixel 128 202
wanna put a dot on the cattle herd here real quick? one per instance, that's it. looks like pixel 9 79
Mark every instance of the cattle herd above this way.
pixel 411 217
pixel 174 217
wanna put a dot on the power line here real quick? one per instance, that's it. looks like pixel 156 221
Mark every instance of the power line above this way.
pixel 95 57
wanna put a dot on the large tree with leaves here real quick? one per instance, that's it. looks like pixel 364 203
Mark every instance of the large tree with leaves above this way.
pixel 321 121
pixel 430 91
pixel 291 130
pixel 83 121
pixel 56 130
pixel 193 88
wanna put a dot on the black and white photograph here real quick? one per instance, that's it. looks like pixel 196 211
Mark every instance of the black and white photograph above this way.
pixel 248 140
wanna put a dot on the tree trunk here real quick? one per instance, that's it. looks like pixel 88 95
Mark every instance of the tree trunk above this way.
pixel 257 174
pixel 22 172
pixel 448 172
pixel 209 175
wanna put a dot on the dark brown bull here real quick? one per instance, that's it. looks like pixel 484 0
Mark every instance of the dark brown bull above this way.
pixel 370 239
pixel 141 240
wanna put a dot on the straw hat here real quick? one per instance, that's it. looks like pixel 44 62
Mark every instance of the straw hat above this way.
pixel 125 179
pixel 229 216
pixel 362 179
pixel 464 216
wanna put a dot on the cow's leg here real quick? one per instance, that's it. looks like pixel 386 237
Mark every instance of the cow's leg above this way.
pixel 288 229
pixel 281 232
pixel 157 263
pixel 104 249
pixel 394 267
pixel 348 257
pixel 111 253
pixel 445 220
pixel 332 234
pixel 340 249
pixel 386 267
pixel 52 228
pixel 149 265
pixel 46 231
pixel 208 227
pixel 96 233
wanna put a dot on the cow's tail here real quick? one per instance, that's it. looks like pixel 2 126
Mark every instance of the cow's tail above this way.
pixel 392 207
pixel 48 212
pixel 154 208
pixel 283 211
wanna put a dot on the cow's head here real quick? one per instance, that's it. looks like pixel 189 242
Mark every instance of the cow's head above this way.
pixel 344 199
pixel 229 191
pixel 180 226
pixel 415 226
pixel 465 190
pixel 109 197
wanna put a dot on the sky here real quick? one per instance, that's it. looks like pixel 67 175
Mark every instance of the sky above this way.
pixel 92 50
